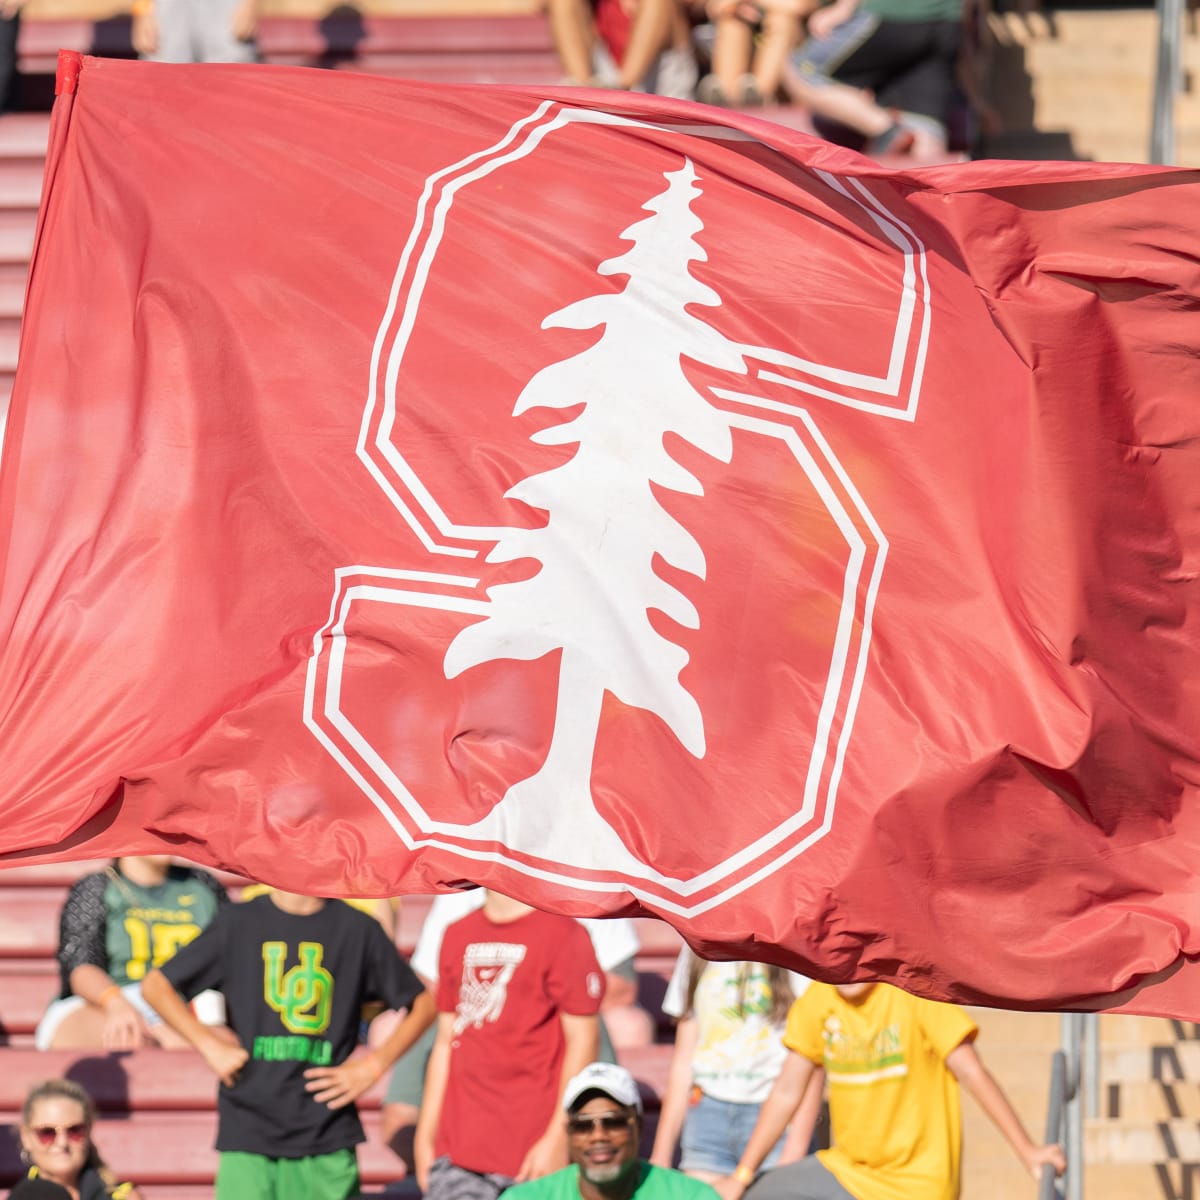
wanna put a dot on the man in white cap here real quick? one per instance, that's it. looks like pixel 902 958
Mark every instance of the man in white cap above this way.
pixel 604 1130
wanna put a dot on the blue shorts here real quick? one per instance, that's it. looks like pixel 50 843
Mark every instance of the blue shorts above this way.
pixel 818 59
pixel 715 1134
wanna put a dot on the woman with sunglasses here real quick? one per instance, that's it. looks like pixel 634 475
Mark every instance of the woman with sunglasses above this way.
pixel 56 1140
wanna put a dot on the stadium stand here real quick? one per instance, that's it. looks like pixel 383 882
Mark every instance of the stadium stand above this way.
pixel 158 1108
pixel 490 49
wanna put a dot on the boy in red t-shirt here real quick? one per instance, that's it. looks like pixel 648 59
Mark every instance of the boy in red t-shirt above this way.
pixel 518 994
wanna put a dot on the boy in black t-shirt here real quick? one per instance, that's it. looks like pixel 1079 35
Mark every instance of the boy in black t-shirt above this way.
pixel 295 972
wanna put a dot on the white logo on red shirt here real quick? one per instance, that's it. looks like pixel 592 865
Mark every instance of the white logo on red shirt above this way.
pixel 487 968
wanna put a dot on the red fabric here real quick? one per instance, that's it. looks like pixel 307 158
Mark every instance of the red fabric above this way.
pixel 509 985
pixel 612 24
pixel 851 515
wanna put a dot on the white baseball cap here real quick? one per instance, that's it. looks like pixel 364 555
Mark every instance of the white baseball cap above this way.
pixel 609 1080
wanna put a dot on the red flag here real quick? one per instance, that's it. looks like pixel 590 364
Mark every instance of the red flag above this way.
pixel 619 504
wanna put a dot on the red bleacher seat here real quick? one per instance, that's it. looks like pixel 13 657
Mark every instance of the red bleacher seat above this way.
pixel 29 922
pixel 49 875
pixel 482 49
pixel 23 998
pixel 177 1148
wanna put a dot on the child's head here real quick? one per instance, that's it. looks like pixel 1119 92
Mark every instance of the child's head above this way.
pixel 854 991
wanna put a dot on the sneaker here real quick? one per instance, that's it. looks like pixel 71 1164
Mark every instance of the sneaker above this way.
pixel 710 91
pixel 675 74
pixel 751 96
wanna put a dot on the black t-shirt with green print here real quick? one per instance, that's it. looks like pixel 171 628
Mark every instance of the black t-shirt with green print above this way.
pixel 294 990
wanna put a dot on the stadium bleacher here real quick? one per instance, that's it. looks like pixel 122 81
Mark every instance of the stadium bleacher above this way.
pixel 157 1107
pixel 513 48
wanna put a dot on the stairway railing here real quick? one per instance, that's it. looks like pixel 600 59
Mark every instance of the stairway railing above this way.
pixel 1168 81
pixel 1055 1115
pixel 1080 1035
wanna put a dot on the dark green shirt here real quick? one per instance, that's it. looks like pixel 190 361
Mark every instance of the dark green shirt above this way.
pixel 914 10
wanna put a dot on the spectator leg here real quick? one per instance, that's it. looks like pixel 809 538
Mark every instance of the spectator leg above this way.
pixel 733 42
pixel 573 34
pixel 652 31
pixel 780 33
pixel 840 102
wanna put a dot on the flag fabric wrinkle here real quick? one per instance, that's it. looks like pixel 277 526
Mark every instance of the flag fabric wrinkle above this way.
pixel 625 505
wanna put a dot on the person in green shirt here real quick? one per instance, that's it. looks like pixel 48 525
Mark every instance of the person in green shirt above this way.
pixel 887 69
pixel 604 1129
pixel 116 925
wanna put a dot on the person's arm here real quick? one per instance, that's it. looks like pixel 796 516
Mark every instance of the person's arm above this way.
pixel 124 1028
pixel 10 8
pixel 777 1110
pixel 581 1037
pixel 675 1097
pixel 800 1130
pixel 436 1074
pixel 969 1070
pixel 226 1060
pixel 244 22
pixel 144 30
pixel 340 1085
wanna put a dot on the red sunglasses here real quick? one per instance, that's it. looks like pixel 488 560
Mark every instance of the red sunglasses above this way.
pixel 46 1134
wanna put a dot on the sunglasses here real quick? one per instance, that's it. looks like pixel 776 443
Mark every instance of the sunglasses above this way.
pixel 47 1134
pixel 609 1122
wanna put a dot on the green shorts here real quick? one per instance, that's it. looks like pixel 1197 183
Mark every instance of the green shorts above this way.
pixel 332 1176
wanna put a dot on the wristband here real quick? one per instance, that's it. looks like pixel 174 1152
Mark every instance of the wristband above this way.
pixel 743 1175
pixel 109 992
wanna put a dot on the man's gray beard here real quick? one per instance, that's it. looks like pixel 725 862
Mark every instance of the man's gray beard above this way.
pixel 607 1174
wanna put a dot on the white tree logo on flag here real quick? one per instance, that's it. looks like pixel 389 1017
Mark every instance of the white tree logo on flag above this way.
pixel 630 430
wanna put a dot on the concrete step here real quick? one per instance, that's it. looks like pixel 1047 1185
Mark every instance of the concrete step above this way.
pixel 1174 1063
pixel 1129 1141
pixel 999 1026
pixel 1125 1030
pixel 1088 77
pixel 1148 1101
pixel 1105 29
pixel 1070 88
pixel 1140 1181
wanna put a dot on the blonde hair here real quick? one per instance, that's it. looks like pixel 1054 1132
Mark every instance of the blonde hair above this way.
pixel 64 1089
